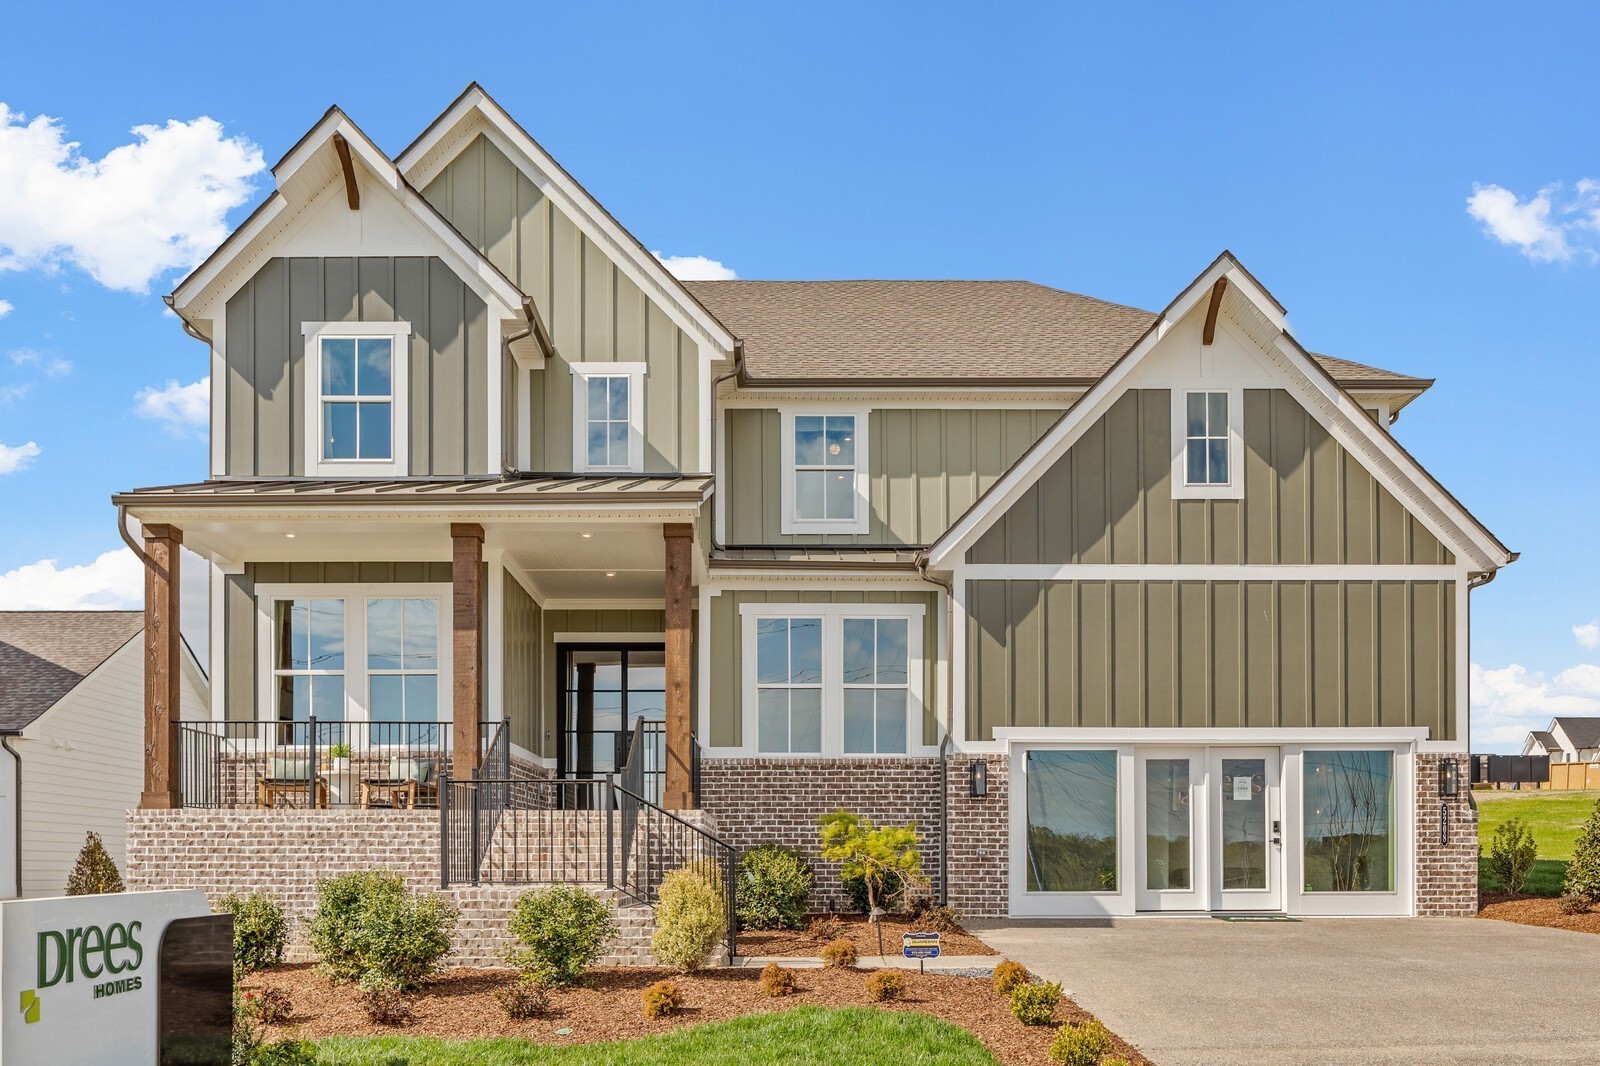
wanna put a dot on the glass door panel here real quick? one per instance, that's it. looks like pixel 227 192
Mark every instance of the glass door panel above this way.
pixel 1247 830
pixel 1170 800
pixel 602 692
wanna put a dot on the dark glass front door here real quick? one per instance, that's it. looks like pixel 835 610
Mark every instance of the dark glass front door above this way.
pixel 604 689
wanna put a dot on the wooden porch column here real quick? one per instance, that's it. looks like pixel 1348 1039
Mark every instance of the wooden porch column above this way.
pixel 678 793
pixel 466 581
pixel 163 672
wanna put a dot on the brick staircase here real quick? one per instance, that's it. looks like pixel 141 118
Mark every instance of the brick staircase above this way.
pixel 481 937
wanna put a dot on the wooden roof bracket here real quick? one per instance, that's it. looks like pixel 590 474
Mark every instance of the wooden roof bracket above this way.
pixel 1217 290
pixel 351 192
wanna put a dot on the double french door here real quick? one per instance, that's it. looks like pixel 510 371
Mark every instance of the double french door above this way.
pixel 1210 829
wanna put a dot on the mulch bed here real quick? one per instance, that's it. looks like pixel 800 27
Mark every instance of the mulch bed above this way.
pixel 1536 910
pixel 460 1005
pixel 859 931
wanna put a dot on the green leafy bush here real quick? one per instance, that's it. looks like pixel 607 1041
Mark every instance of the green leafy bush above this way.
pixel 661 999
pixel 1035 1003
pixel 1080 1045
pixel 1008 975
pixel 776 981
pixel 260 930
pixel 561 930
pixel 840 954
pixel 368 927
pixel 774 888
pixel 886 986
pixel 1583 872
pixel 691 917
pixel 95 873
pixel 523 998
pixel 285 1053
pixel 1511 854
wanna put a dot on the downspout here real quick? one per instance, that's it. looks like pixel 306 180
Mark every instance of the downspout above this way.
pixel 949 729
pixel 534 328
pixel 127 538
pixel 738 368
pixel 5 742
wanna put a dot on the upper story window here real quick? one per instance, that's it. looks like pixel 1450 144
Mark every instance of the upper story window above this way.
pixel 1208 443
pixel 608 416
pixel 356 398
pixel 825 472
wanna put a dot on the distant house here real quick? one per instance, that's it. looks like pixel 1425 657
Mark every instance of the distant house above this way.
pixel 1567 740
pixel 72 733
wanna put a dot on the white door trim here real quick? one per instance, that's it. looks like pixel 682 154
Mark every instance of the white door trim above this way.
pixel 1233 900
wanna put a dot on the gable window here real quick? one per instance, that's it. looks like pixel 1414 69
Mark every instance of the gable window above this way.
pixel 608 416
pixel 832 679
pixel 356 398
pixel 825 472
pixel 1208 443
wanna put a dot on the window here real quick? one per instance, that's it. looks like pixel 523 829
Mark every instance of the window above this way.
pixel 1208 443
pixel 876 675
pixel 308 666
pixel 608 416
pixel 825 467
pixel 1206 449
pixel 356 398
pixel 1072 821
pixel 1349 821
pixel 832 679
pixel 403 660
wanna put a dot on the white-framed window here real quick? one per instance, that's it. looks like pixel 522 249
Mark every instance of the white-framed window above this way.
pixel 825 471
pixel 831 680
pixel 355 653
pixel 608 416
pixel 1208 442
pixel 356 389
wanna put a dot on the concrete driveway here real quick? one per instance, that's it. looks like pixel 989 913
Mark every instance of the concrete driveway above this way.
pixel 1203 992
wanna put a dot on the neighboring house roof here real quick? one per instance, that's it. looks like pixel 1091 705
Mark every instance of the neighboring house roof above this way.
pixel 45 654
pixel 1583 732
pixel 1547 741
pixel 891 331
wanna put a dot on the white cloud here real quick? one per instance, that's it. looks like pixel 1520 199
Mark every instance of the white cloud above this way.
pixel 54 366
pixel 145 208
pixel 114 580
pixel 181 407
pixel 18 458
pixel 1588 635
pixel 695 268
pixel 1551 226
pixel 1508 702
pixel 15 392
pixel 5 308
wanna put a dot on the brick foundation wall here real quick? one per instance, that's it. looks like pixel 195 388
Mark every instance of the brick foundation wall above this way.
pixel 980 849
pixel 1447 874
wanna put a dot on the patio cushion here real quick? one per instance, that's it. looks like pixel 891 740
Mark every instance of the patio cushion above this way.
pixel 418 770
pixel 288 768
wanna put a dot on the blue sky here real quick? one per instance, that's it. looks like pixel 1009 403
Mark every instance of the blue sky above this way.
pixel 1112 152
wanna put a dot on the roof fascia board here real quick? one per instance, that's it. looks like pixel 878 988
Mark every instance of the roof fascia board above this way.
pixel 642 268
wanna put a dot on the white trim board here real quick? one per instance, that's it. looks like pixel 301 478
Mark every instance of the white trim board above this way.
pixel 1201 572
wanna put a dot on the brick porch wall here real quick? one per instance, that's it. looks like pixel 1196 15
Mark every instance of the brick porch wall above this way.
pixel 1447 875
pixel 980 850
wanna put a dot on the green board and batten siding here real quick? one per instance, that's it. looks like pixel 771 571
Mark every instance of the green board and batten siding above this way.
pixel 522 665
pixel 727 642
pixel 926 467
pixel 1306 500
pixel 595 313
pixel 448 375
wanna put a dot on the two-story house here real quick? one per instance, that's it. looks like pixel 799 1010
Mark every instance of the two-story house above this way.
pixel 1130 611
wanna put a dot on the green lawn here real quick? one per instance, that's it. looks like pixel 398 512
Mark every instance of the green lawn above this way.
pixel 1554 819
pixel 805 1036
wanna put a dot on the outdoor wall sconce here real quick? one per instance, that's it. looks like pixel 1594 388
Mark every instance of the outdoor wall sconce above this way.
pixel 1449 779
pixel 977 778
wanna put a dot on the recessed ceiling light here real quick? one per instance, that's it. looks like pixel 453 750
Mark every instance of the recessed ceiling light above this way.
pixel 289 535
pixel 585 536
pixel 611 573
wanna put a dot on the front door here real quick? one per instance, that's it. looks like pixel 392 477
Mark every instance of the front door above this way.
pixel 603 691
pixel 1246 816
pixel 1170 795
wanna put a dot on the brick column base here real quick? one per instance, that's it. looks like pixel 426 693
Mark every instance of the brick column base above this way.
pixel 1447 873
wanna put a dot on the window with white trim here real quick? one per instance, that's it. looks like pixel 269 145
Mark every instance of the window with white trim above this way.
pixel 1208 443
pixel 608 416
pixel 403 660
pixel 825 472
pixel 308 663
pixel 355 393
pixel 832 679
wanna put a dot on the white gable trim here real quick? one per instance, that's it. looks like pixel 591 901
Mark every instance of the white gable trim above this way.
pixel 453 129
pixel 1328 403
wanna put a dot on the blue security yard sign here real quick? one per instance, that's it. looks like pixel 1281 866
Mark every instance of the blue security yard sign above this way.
pixel 920 946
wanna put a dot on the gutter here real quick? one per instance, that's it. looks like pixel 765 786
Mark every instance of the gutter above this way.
pixel 949 730
pixel 5 742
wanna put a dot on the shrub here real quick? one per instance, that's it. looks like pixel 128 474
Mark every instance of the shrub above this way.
pixel 890 895
pixel 1583 872
pixel 774 888
pixel 269 1006
pixel 260 930
pixel 878 856
pixel 1511 854
pixel 384 1001
pixel 825 928
pixel 523 998
pixel 886 985
pixel 661 999
pixel 1035 1003
pixel 285 1053
pixel 95 873
pixel 367 927
pixel 1008 975
pixel 691 918
pixel 1571 904
pixel 929 914
pixel 776 981
pixel 1080 1045
pixel 561 930
pixel 840 954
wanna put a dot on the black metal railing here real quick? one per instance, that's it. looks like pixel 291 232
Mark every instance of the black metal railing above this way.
pixel 652 842
pixel 316 763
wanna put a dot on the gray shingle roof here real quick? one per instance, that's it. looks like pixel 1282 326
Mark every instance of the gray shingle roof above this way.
pixel 1545 740
pixel 892 331
pixel 1583 732
pixel 44 654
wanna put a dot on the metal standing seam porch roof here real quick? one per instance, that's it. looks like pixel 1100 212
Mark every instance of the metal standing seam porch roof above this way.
pixel 548 489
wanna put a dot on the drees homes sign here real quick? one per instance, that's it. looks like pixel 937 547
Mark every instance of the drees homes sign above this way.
pixel 78 981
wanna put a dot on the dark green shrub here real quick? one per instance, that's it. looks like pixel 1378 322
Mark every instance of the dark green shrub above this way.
pixel 94 873
pixel 840 954
pixel 890 897
pixel 661 999
pixel 368 927
pixel 1583 872
pixel 561 930
pixel 774 888
pixel 384 1001
pixel 691 917
pixel 886 986
pixel 260 930
pixel 1080 1045
pixel 523 998
pixel 1036 1003
pixel 269 1006
pixel 1511 854
pixel 1008 975
pixel 776 981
